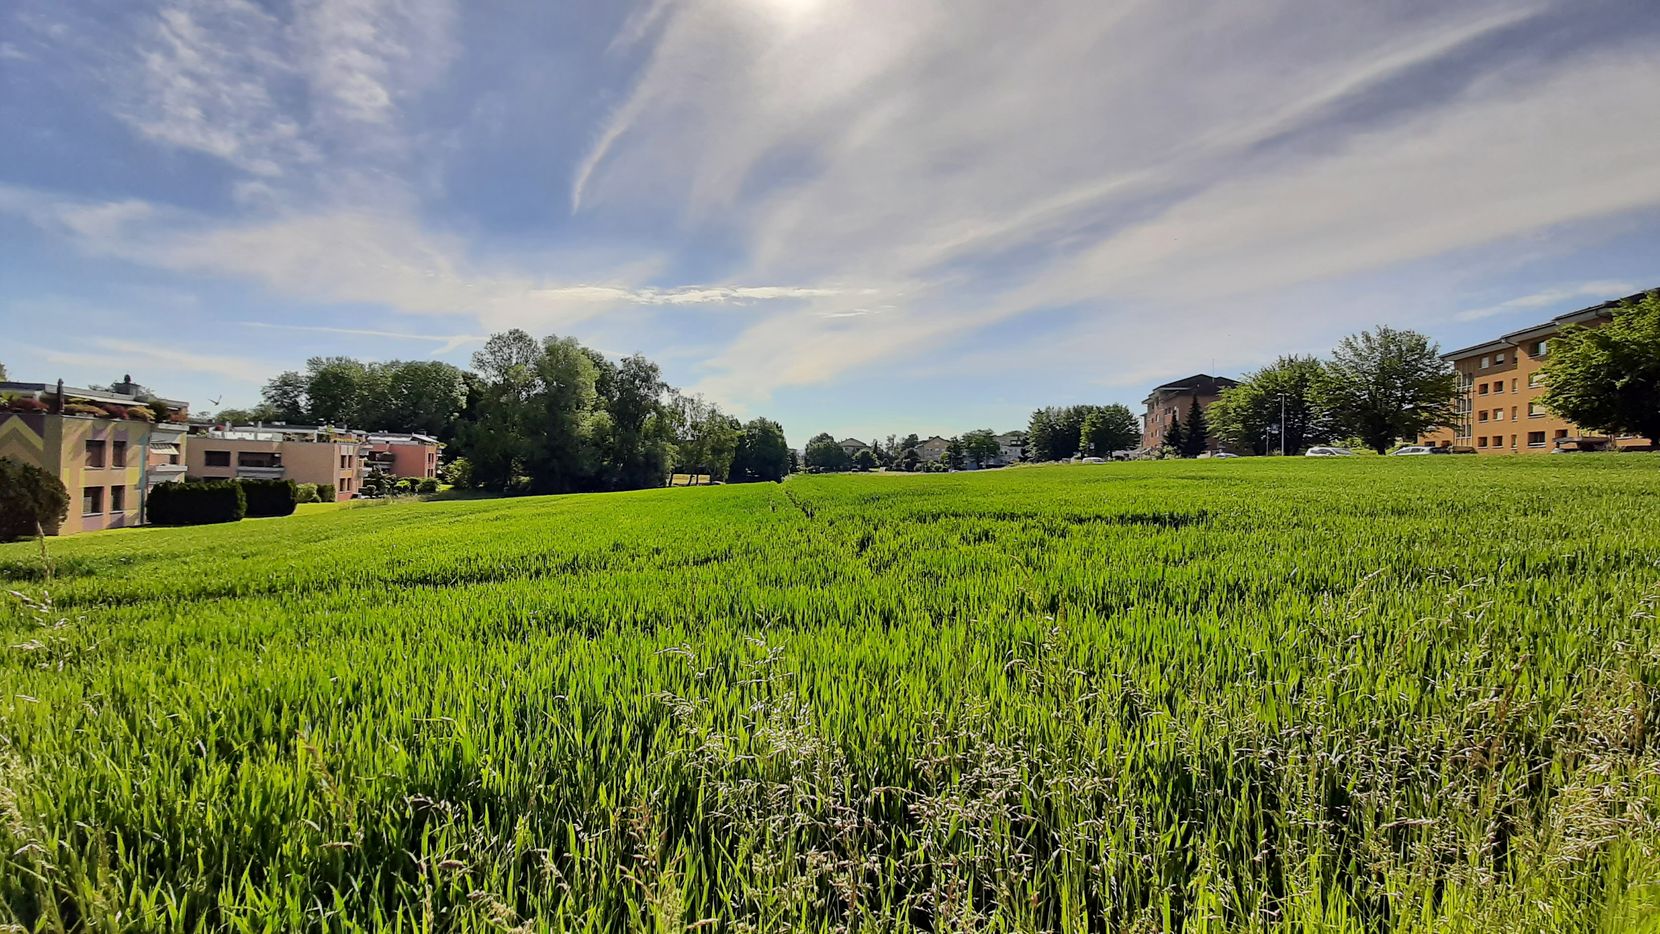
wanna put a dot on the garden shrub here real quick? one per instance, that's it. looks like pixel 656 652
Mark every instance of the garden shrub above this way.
pixel 30 499
pixel 268 498
pixel 518 486
pixel 26 404
pixel 197 502
pixel 459 473
pixel 82 408
pixel 305 492
pixel 325 492
pixel 426 486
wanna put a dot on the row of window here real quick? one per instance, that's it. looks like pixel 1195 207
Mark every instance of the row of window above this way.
pixel 92 500
pixel 1535 439
pixel 96 448
pixel 1534 381
pixel 1534 410
pixel 1535 349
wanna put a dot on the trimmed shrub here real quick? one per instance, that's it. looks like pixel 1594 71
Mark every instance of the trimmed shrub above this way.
pixel 113 410
pixel 30 499
pixel 82 408
pixel 305 492
pixel 325 492
pixel 426 486
pixel 267 498
pixel 141 413
pixel 199 502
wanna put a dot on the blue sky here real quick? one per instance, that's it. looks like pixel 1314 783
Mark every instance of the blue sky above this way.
pixel 859 217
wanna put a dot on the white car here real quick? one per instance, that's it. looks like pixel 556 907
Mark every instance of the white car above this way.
pixel 1329 452
pixel 1413 450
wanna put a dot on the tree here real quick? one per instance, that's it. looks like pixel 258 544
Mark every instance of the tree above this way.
pixel 286 393
pixel 1174 438
pixel 1248 416
pixel 865 460
pixel 1195 432
pixel 1385 384
pixel 423 396
pixel 259 413
pixel 954 457
pixel 980 446
pixel 706 439
pixel 3 375
pixel 31 500
pixel 1607 378
pixel 1107 429
pixel 909 460
pixel 762 453
pixel 824 455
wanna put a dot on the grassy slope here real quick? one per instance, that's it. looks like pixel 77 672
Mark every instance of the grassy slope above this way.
pixel 1157 694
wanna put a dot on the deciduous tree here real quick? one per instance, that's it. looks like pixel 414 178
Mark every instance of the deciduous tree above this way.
pixel 1386 384
pixel 1607 378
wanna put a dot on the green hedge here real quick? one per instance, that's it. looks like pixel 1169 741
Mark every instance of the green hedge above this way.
pixel 325 492
pixel 270 497
pixel 198 502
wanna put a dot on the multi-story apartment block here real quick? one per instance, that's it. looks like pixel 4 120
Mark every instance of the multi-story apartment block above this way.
pixel 1171 402
pixel 1500 384
pixel 280 452
pixel 110 449
pixel 1011 447
pixel 396 455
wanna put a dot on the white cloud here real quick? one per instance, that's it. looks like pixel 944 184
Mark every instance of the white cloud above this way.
pixel 112 355
pixel 1593 291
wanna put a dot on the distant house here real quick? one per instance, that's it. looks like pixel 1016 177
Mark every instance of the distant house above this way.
pixel 933 449
pixel 1011 446
pixel 1171 402
pixel 853 446
pixel 402 455
pixel 304 454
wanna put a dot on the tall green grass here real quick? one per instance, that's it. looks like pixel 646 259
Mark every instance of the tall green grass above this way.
pixel 1381 695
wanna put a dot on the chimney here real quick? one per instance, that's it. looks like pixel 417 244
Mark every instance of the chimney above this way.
pixel 57 406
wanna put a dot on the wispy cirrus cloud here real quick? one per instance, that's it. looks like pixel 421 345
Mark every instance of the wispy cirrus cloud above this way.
pixel 1599 290
pixel 445 342
pixel 117 355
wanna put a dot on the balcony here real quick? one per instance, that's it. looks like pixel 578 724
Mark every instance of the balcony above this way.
pixel 259 473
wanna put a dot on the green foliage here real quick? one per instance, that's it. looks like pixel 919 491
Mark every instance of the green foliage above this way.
pixel 1109 428
pixel 762 453
pixel 824 455
pixel 1141 698
pixel 1175 437
pixel 865 460
pixel 305 493
pixel 1195 431
pixel 458 473
pixel 326 493
pixel 266 498
pixel 1385 384
pixel 1247 417
pixel 1056 433
pixel 980 446
pixel 706 439
pixel 955 458
pixel 31 500
pixel 426 486
pixel 196 502
pixel 1607 378
pixel 909 460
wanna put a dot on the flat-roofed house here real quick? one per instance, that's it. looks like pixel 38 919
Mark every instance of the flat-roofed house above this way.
pixel 321 455
pixel 1500 382
pixel 402 455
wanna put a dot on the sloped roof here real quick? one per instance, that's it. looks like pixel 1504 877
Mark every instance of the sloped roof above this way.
pixel 1202 383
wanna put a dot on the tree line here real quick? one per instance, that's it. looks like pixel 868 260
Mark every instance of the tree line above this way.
pixel 548 416
pixel 1064 432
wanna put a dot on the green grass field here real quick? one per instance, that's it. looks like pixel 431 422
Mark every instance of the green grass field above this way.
pixel 1411 694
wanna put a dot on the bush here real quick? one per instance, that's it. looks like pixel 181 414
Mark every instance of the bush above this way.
pixel 26 404
pixel 325 492
pixel 30 499
pixel 113 410
pixel 459 473
pixel 141 413
pixel 82 408
pixel 518 486
pixel 267 498
pixel 305 492
pixel 426 486
pixel 199 502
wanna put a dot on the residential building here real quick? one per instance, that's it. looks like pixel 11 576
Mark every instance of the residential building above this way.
pixel 280 452
pixel 1011 446
pixel 97 442
pixel 853 446
pixel 1171 402
pixel 1500 385
pixel 932 449
pixel 402 455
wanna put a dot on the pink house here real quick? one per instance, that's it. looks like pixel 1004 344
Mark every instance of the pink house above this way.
pixel 401 456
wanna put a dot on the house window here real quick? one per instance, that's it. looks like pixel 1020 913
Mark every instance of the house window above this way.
pixel 1481 442
pixel 95 454
pixel 118 499
pixel 1483 389
pixel 1513 415
pixel 1513 384
pixel 92 500
pixel 1498 359
pixel 258 459
pixel 1482 416
pixel 1540 348
pixel 1498 415
pixel 1535 379
pixel 345 462
pixel 1535 439
pixel 1498 385
pixel 118 454
pixel 1486 362
pixel 216 458
pixel 1535 410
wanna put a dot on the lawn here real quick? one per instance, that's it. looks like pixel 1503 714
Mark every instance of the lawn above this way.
pixel 1411 694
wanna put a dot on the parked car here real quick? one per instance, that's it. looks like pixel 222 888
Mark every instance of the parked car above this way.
pixel 1413 450
pixel 1223 454
pixel 1093 460
pixel 1328 452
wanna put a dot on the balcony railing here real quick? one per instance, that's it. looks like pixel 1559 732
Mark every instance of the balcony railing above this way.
pixel 259 473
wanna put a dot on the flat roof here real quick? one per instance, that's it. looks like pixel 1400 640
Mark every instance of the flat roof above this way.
pixel 1548 327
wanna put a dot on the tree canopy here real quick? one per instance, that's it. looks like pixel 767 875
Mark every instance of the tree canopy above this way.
pixel 1109 428
pixel 1386 384
pixel 824 455
pixel 1607 378
pixel 1248 416
pixel 762 453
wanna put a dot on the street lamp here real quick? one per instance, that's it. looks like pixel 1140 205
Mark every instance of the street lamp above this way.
pixel 1282 424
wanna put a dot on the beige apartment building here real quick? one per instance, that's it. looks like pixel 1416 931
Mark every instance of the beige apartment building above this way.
pixel 1501 382
pixel 279 452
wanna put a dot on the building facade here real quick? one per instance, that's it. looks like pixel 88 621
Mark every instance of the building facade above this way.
pixel 98 443
pixel 1011 447
pixel 395 455
pixel 1171 402
pixel 932 449
pixel 279 452
pixel 1500 385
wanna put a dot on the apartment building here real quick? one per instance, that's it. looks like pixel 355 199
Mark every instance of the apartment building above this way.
pixel 1171 402
pixel 399 455
pixel 1500 384
pixel 1011 447
pixel 106 447
pixel 320 455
